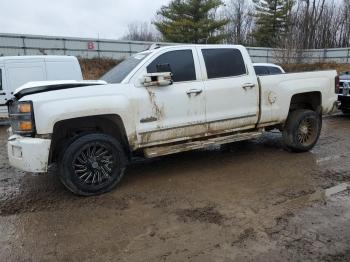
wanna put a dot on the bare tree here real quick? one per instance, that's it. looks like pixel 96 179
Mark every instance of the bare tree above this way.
pixel 142 31
pixel 309 24
pixel 240 13
pixel 343 39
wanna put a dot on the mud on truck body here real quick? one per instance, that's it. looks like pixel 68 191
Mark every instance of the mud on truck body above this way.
pixel 161 102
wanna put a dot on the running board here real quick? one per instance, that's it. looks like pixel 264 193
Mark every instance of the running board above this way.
pixel 177 148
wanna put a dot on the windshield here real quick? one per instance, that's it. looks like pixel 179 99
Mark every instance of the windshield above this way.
pixel 344 76
pixel 118 73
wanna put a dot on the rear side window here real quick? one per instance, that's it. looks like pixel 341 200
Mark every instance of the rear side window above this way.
pixel 275 70
pixel 181 64
pixel 0 79
pixel 224 62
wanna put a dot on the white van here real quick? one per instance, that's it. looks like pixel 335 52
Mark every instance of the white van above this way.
pixel 18 70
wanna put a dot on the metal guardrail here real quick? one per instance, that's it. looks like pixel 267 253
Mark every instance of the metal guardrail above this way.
pixel 16 44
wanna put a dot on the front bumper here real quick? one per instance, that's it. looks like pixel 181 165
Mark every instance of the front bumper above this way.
pixel 29 154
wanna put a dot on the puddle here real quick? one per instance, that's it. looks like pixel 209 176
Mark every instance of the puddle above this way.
pixel 327 159
pixel 337 189
pixel 320 194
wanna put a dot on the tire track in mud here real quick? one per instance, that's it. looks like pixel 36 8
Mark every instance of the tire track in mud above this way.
pixel 27 193
pixel 282 224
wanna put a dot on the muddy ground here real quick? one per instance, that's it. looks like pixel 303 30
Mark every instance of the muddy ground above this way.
pixel 251 201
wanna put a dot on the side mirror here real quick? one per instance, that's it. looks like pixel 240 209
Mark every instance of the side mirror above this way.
pixel 158 79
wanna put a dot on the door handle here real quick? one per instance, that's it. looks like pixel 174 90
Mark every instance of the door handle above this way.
pixel 248 85
pixel 194 91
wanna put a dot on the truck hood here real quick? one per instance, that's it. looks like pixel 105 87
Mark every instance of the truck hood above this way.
pixel 46 86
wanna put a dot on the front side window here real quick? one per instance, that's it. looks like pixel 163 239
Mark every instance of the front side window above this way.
pixel 122 70
pixel 224 62
pixel 0 79
pixel 180 62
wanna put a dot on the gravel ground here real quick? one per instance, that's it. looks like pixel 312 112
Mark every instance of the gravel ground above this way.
pixel 250 201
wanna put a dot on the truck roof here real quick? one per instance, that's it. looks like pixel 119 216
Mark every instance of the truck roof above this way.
pixel 160 48
pixel 200 45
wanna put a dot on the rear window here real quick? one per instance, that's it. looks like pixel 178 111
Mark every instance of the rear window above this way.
pixel 344 76
pixel 224 62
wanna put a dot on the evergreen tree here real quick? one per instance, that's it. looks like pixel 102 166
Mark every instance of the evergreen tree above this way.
pixel 272 21
pixel 191 21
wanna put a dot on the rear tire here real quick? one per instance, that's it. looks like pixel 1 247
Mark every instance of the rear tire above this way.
pixel 92 164
pixel 302 130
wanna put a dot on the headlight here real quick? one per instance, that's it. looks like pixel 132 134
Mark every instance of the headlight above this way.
pixel 22 118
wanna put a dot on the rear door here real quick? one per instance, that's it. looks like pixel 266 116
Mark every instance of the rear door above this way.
pixel 232 92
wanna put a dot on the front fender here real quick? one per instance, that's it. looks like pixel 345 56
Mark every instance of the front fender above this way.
pixel 47 114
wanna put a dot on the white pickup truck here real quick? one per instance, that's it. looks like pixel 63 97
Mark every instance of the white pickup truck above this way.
pixel 160 102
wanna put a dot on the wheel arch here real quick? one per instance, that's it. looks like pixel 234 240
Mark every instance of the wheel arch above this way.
pixel 66 131
pixel 307 100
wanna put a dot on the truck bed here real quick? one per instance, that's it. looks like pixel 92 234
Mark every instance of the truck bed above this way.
pixel 277 92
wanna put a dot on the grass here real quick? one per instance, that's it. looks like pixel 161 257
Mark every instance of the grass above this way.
pixel 95 68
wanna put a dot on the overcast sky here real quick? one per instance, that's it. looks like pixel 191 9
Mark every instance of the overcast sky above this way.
pixel 85 18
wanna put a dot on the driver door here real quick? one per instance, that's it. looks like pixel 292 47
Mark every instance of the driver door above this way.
pixel 175 112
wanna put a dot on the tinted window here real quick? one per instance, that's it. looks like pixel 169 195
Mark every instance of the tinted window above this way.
pixel 118 73
pixel 274 70
pixel 0 79
pixel 181 63
pixel 261 70
pixel 223 62
pixel 344 76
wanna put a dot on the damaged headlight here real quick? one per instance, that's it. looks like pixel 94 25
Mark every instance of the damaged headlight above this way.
pixel 22 118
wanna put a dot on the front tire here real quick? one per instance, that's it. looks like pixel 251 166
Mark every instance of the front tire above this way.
pixel 92 165
pixel 302 130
